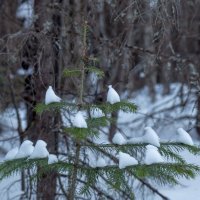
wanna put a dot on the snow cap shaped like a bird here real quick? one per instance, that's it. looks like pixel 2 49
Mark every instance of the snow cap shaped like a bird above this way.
pixel 112 96
pixel 119 139
pixel 152 155
pixel 52 159
pixel 11 154
pixel 151 137
pixel 51 97
pixel 25 150
pixel 184 137
pixel 40 150
pixel 79 121
pixel 126 160
pixel 41 143
pixel 96 113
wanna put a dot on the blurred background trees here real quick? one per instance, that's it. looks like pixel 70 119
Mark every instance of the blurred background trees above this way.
pixel 137 43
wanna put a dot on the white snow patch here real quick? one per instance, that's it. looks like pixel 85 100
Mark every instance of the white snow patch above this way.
pixel 96 113
pixel 51 97
pixel 183 137
pixel 112 96
pixel 52 159
pixel 101 162
pixel 10 188
pixel 152 155
pixel 119 139
pixel 25 150
pixel 11 154
pixel 25 11
pixel 79 121
pixel 40 150
pixel 23 72
pixel 126 160
pixel 149 137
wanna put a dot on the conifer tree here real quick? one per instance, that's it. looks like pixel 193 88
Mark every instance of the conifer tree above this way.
pixel 112 176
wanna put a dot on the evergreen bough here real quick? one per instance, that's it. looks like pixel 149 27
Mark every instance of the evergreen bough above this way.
pixel 84 180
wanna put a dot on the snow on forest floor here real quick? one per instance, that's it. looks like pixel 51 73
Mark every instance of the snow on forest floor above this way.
pixel 165 115
pixel 189 189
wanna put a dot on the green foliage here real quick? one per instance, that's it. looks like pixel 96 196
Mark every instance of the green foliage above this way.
pixel 178 147
pixel 71 72
pixel 80 133
pixel 111 175
pixel 109 108
pixel 97 122
pixel 162 173
pixel 91 179
pixel 54 107
pixel 15 166
pixel 95 70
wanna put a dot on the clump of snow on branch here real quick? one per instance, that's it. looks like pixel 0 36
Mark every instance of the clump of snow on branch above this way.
pixel 11 154
pixel 112 96
pixel 150 137
pixel 79 121
pixel 40 150
pixel 52 159
pixel 152 155
pixel 126 160
pixel 184 137
pixel 25 150
pixel 51 97
pixel 119 139
pixel 96 113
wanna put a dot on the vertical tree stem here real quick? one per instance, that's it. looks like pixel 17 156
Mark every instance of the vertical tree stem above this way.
pixel 74 174
pixel 78 146
pixel 83 63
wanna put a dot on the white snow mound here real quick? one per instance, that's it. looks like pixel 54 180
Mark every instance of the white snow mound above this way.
pixel 151 137
pixel 119 139
pixel 112 96
pixel 52 159
pixel 184 137
pixel 101 162
pixel 152 155
pixel 79 121
pixel 96 113
pixel 25 150
pixel 40 150
pixel 51 97
pixel 126 160
pixel 11 154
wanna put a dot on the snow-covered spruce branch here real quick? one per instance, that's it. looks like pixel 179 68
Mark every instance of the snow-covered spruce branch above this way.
pixel 140 158
pixel 105 107
pixel 140 170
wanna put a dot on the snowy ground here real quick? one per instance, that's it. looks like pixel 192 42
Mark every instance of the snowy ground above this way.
pixel 189 189
pixel 165 115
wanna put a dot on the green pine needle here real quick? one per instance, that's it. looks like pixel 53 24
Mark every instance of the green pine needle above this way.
pixel 81 133
pixel 95 70
pixel 71 72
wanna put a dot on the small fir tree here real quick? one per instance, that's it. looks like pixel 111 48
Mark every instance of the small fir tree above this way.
pixel 107 179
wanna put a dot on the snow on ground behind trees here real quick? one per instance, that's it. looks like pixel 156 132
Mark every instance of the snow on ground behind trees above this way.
pixel 165 116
